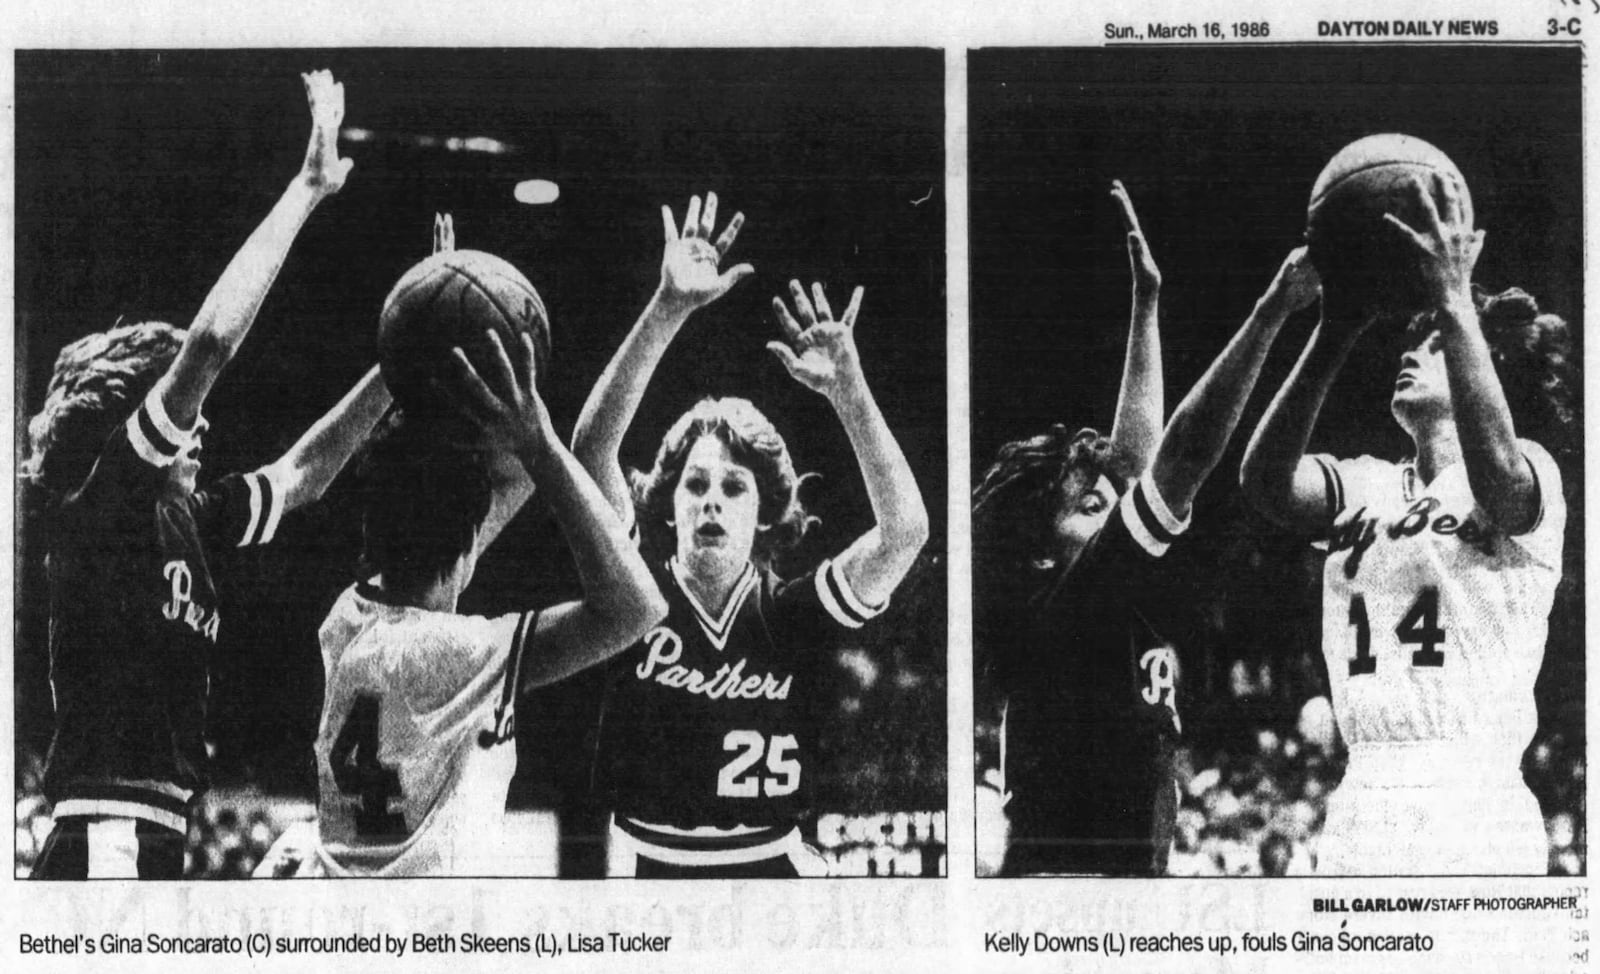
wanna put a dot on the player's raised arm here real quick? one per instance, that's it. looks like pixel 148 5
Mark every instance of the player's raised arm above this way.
pixel 229 310
pixel 823 359
pixel 306 470
pixel 1447 248
pixel 1200 427
pixel 1277 477
pixel 620 601
pixel 1141 404
pixel 690 280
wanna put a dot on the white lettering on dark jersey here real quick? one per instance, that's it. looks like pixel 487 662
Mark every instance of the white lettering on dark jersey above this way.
pixel 197 617
pixel 1360 532
pixel 727 683
pixel 1160 666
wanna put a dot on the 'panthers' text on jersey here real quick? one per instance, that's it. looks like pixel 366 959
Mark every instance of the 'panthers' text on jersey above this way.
pixel 415 750
pixel 706 730
pixel 1433 619
pixel 134 621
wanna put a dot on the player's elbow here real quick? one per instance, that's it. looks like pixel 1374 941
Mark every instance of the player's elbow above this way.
pixel 909 530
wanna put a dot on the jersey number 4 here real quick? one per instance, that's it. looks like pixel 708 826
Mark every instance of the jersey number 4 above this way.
pixel 359 774
pixel 1418 627
pixel 737 780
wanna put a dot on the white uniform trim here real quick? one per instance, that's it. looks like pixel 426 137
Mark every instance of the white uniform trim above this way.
pixel 267 498
pixel 120 809
pixel 1148 519
pixel 716 628
pixel 842 603
pixel 113 848
pixel 626 849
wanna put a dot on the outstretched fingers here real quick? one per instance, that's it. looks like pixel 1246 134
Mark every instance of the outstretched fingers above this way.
pixel 802 304
pixel 854 308
pixel 730 233
pixel 691 218
pixel 791 328
pixel 1130 218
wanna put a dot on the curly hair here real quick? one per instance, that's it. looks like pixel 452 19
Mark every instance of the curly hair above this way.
pixel 424 497
pixel 753 442
pixel 1015 504
pixel 1532 355
pixel 97 382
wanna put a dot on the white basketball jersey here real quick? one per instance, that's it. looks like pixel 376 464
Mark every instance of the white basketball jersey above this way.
pixel 1433 619
pixel 415 750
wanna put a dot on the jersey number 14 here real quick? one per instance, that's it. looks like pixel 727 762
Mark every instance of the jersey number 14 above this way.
pixel 1418 627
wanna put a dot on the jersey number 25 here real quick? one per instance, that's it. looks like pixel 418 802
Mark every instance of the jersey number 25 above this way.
pixel 737 780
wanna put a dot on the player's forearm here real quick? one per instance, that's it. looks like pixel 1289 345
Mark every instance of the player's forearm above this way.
pixel 1141 404
pixel 1496 470
pixel 1281 439
pixel 614 401
pixel 317 457
pixel 1204 421
pixel 620 598
pixel 223 321
pixel 891 487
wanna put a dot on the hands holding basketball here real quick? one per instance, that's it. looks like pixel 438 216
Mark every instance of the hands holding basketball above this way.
pixel 690 278
pixel 323 170
pixel 824 357
pixel 506 408
pixel 1295 286
pixel 1446 247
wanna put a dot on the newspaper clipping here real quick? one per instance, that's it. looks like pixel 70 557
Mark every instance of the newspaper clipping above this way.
pixel 1081 488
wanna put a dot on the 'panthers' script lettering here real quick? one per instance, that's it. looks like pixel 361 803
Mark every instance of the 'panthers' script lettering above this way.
pixel 727 683
pixel 1359 533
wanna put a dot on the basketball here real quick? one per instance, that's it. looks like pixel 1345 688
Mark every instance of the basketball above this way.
pixel 453 299
pixel 1356 252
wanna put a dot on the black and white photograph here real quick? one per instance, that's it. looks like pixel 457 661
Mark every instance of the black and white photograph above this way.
pixel 480 462
pixel 1277 461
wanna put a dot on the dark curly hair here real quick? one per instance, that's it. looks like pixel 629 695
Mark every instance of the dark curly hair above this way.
pixel 98 382
pixel 424 497
pixel 753 442
pixel 1014 506
pixel 1532 355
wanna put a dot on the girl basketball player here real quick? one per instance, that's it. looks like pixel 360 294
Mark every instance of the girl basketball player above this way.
pixel 134 614
pixel 704 745
pixel 1072 595
pixel 1441 569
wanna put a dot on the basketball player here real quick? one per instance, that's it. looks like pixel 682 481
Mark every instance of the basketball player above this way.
pixel 133 604
pixel 705 738
pixel 416 748
pixel 1071 596
pixel 1441 569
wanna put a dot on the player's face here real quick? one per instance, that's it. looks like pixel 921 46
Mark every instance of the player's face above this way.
pixel 1078 523
pixel 716 508
pixel 1422 388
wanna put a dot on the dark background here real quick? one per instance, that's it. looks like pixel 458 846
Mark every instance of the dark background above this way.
pixel 1219 150
pixel 139 174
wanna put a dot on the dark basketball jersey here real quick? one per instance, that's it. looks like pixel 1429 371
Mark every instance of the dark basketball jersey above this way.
pixel 133 623
pixel 1092 706
pixel 705 735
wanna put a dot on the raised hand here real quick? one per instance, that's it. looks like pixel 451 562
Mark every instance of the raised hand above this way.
pixel 1146 275
pixel 1296 285
pixel 690 275
pixel 323 170
pixel 507 407
pixel 1447 247
pixel 823 357
pixel 444 233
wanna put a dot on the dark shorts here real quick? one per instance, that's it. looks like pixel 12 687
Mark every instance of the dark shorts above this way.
pixel 103 847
